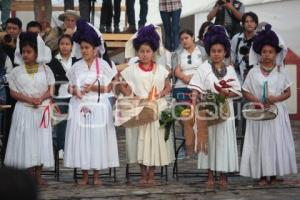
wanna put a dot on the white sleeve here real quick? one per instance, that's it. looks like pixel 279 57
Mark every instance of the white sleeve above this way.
pixel 235 84
pixel 8 65
pixel 71 75
pixel 128 76
pixel 164 71
pixel 286 79
pixel 108 73
pixel 247 86
pixel 197 82
pixel 49 75
pixel 12 81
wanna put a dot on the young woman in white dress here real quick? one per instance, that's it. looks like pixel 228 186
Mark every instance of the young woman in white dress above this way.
pixel 31 84
pixel 146 144
pixel 269 149
pixel 91 142
pixel 220 154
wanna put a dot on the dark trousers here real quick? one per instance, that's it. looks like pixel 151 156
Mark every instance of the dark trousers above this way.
pixel 59 131
pixel 171 28
pixel 131 12
pixel 68 5
pixel 107 13
pixel 5 10
pixel 85 9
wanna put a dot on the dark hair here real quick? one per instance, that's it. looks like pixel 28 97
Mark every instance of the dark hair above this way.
pixel 28 38
pixel 147 35
pixel 17 184
pixel 249 14
pixel 202 29
pixel 67 36
pixel 186 31
pixel 34 24
pixel 14 20
pixel 106 57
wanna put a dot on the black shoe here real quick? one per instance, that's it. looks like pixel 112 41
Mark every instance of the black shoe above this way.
pixel 131 29
pixel 108 29
pixel 102 29
pixel 117 29
pixel 141 26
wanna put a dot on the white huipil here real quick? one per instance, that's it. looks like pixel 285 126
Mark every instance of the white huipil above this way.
pixel 146 144
pixel 222 146
pixel 91 141
pixel 268 146
pixel 29 143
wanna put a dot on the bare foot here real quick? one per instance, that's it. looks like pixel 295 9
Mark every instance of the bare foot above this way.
pixel 97 182
pixel 263 181
pixel 223 181
pixel 42 183
pixel 210 180
pixel 83 182
pixel 151 176
pixel 151 182
pixel 210 184
pixel 143 181
pixel 85 178
pixel 275 181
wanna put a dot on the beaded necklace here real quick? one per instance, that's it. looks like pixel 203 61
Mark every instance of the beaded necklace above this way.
pixel 147 68
pixel 32 70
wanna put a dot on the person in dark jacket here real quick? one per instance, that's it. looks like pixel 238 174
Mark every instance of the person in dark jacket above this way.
pixel 228 13
pixel 59 65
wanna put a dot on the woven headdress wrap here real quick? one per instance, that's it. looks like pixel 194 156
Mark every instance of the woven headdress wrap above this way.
pixel 267 37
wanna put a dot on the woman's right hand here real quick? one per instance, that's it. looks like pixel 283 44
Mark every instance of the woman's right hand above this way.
pixel 187 78
pixel 79 94
pixel 34 101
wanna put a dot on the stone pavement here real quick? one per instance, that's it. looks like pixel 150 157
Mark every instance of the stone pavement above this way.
pixel 192 187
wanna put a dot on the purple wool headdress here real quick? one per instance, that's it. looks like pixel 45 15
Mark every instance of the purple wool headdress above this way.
pixel 216 34
pixel 148 35
pixel 266 37
pixel 86 33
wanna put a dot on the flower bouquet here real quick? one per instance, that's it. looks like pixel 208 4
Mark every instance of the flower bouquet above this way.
pixel 167 117
pixel 216 104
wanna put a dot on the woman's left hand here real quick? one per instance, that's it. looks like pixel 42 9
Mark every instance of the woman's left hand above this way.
pixel 225 92
pixel 87 88
pixel 159 95
pixel 272 99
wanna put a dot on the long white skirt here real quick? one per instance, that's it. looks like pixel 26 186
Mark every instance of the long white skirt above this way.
pixel 146 144
pixel 222 147
pixel 28 144
pixel 269 147
pixel 91 141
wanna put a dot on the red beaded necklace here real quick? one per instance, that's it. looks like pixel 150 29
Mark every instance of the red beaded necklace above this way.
pixel 147 68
